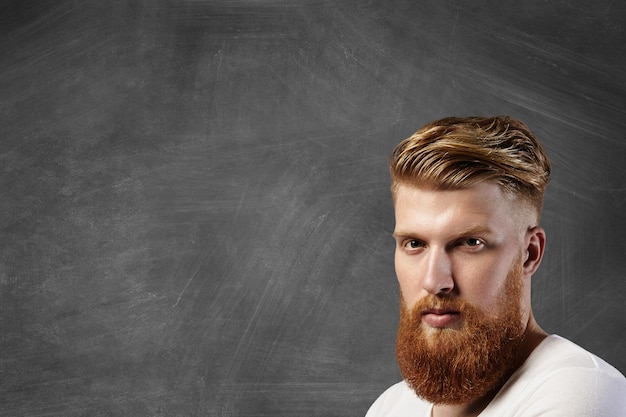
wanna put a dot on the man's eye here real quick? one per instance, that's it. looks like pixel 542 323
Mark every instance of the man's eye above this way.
pixel 473 242
pixel 414 244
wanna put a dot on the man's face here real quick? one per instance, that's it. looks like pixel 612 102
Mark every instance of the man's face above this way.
pixel 458 243
pixel 459 261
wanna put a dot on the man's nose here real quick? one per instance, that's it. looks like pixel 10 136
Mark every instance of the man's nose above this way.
pixel 438 275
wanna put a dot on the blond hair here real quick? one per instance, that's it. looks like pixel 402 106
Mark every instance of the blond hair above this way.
pixel 455 152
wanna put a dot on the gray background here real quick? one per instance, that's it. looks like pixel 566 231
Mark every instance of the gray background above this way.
pixel 195 208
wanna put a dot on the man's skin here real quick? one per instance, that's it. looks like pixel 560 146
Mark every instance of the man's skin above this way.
pixel 463 243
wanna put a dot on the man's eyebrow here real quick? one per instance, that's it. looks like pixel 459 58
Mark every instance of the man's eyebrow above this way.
pixel 468 231
pixel 399 234
pixel 474 230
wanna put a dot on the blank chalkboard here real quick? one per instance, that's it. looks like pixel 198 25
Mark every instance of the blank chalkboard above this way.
pixel 195 210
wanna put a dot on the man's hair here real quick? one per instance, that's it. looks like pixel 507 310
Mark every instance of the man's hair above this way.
pixel 453 153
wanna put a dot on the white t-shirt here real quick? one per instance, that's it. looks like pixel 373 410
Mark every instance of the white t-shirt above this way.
pixel 559 378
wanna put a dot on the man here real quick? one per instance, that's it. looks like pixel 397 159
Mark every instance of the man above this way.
pixel 468 194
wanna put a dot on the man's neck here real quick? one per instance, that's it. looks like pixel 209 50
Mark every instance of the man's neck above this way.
pixel 533 336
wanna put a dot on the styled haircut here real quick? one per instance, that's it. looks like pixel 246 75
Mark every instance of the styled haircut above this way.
pixel 454 153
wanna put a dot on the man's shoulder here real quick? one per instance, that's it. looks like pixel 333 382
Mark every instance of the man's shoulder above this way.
pixel 557 354
pixel 562 377
pixel 399 400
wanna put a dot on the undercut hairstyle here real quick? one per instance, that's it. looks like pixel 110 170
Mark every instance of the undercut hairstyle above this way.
pixel 454 153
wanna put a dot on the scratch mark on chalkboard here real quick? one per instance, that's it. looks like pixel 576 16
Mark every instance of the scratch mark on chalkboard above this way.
pixel 320 220
pixel 348 54
pixel 245 338
pixel 195 274
pixel 453 30
pixel 241 200
pixel 185 287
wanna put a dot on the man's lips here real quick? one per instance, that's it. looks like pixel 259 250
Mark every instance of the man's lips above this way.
pixel 441 317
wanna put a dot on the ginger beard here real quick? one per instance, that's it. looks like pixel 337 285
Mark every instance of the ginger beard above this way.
pixel 461 365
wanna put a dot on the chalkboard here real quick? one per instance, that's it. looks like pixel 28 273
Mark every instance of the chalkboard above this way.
pixel 195 210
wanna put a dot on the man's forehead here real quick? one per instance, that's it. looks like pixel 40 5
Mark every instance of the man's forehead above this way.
pixel 478 194
pixel 479 208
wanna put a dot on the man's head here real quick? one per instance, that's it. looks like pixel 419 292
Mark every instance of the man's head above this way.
pixel 467 197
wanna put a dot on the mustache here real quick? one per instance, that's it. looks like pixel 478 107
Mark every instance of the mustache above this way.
pixel 436 303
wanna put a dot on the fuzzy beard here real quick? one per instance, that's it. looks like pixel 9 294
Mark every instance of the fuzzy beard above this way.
pixel 461 365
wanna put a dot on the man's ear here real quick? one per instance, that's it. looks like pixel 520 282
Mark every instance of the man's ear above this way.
pixel 535 247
